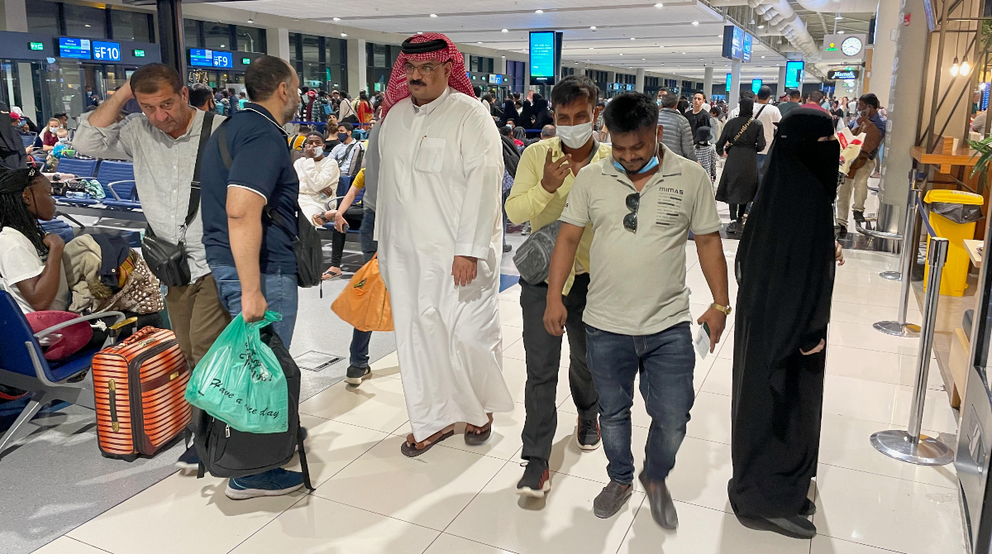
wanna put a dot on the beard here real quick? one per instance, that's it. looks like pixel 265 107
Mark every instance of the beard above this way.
pixel 290 109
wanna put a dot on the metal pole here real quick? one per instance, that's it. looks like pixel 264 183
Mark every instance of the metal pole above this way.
pixel 910 446
pixel 909 220
pixel 900 328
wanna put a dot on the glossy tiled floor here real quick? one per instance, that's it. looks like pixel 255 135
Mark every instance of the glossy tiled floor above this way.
pixel 459 499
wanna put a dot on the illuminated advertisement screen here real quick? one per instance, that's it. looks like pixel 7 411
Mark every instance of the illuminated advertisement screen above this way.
pixel 733 42
pixel 755 85
pixel 794 74
pixel 542 57
pixel 728 82
pixel 748 46
pixel 78 48
pixel 198 57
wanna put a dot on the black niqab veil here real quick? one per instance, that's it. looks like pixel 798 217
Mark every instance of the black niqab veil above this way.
pixel 785 269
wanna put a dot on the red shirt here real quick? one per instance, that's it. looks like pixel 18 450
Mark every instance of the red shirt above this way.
pixel 814 106
pixel 49 139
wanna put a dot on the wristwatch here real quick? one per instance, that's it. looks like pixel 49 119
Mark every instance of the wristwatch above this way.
pixel 725 309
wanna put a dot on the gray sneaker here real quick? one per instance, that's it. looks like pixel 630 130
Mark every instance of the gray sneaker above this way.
pixel 609 502
pixel 357 374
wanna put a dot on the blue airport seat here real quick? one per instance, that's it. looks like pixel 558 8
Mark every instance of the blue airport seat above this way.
pixel 28 140
pixel 85 169
pixel 117 179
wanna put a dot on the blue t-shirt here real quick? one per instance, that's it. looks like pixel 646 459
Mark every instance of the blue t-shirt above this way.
pixel 262 163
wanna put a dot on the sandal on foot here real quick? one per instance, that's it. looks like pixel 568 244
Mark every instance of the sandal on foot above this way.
pixel 330 275
pixel 477 436
pixel 410 450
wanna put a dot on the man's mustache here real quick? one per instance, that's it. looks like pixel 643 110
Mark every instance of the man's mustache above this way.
pixel 418 82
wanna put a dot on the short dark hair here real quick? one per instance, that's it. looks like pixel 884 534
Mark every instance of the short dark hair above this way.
pixel 347 126
pixel 765 92
pixel 506 130
pixel 61 115
pixel 669 100
pixel 631 111
pixel 701 93
pixel 794 93
pixel 815 96
pixel 149 79
pixel 264 76
pixel 747 94
pixel 199 94
pixel 869 99
pixel 572 88
pixel 314 134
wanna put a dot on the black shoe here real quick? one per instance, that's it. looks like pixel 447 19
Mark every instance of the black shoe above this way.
pixel 536 481
pixel 732 228
pixel 842 232
pixel 189 461
pixel 796 526
pixel 357 374
pixel 507 248
pixel 610 501
pixel 660 500
pixel 587 434
pixel 859 217
pixel 808 508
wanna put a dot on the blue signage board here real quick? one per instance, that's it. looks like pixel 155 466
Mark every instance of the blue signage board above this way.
pixel 223 59
pixel 78 48
pixel 498 79
pixel 755 85
pixel 107 51
pixel 728 82
pixel 794 74
pixel 748 46
pixel 542 56
pixel 198 57
pixel 733 42
pixel 984 105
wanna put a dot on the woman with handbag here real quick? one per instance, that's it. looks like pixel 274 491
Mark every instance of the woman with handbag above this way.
pixel 742 138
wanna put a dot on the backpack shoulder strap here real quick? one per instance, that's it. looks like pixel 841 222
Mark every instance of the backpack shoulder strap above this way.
pixel 225 154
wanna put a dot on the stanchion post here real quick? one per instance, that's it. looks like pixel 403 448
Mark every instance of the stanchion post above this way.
pixel 910 446
pixel 910 218
pixel 900 328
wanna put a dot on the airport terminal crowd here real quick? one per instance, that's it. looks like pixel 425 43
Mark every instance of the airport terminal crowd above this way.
pixel 609 192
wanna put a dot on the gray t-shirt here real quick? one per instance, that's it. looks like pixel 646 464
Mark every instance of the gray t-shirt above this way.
pixel 163 173
pixel 372 169
pixel 637 282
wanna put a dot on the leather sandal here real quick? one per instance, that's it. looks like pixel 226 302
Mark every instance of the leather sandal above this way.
pixel 410 450
pixel 477 436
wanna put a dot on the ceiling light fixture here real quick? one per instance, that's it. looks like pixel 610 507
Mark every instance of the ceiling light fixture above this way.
pixel 840 32
pixel 683 51
pixel 621 53
pixel 433 15
pixel 251 20
pixel 540 12
pixel 336 19
pixel 592 27
pixel 659 5
pixel 633 38
pixel 965 68
pixel 505 31
pixel 344 34
pixel 762 26
pixel 420 32
pixel 838 17
pixel 695 24
pixel 223 46
pixel 480 42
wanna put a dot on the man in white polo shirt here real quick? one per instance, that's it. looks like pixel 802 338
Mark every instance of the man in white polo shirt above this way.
pixel 642 202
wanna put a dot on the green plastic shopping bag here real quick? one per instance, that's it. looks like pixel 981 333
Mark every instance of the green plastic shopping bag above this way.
pixel 240 382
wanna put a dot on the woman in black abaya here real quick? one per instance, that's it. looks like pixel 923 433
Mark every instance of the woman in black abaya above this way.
pixel 783 307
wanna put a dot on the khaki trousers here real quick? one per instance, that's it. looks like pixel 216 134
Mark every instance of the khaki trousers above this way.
pixel 197 316
pixel 859 186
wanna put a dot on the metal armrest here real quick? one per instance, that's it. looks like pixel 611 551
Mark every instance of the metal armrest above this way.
pixel 114 192
pixel 80 319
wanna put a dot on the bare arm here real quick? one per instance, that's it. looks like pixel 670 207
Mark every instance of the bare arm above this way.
pixel 709 248
pixel 244 224
pixel 40 291
pixel 562 260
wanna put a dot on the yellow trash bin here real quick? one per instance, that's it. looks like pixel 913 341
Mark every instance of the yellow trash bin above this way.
pixel 954 280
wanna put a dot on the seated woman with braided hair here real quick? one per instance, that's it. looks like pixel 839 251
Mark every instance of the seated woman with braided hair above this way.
pixel 30 260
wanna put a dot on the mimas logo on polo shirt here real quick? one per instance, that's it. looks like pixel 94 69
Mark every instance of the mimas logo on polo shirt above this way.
pixel 672 190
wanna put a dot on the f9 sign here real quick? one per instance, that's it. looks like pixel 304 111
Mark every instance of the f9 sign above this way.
pixel 107 51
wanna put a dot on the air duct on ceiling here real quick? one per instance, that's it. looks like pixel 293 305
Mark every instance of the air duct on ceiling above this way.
pixel 781 17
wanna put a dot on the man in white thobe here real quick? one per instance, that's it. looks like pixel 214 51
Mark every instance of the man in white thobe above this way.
pixel 439 226
pixel 319 177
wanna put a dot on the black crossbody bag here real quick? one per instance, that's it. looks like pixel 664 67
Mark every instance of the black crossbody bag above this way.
pixel 306 242
pixel 167 260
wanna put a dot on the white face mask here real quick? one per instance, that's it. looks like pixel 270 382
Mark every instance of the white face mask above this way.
pixel 575 136
pixel 52 130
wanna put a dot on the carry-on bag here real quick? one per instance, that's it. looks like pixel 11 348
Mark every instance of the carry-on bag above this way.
pixel 364 303
pixel 139 385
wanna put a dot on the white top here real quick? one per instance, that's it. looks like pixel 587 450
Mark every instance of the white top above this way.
pixel 638 278
pixel 345 155
pixel 768 115
pixel 19 261
pixel 316 176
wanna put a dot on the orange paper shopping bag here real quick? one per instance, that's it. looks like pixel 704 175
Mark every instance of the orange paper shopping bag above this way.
pixel 364 303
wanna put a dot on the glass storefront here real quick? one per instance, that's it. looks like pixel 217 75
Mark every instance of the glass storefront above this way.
pixel 320 61
pixel 380 59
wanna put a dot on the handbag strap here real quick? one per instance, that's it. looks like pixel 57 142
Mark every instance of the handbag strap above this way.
pixel 194 193
pixel 741 132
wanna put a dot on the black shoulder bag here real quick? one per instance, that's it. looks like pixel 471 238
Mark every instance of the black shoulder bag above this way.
pixel 166 260
pixel 306 241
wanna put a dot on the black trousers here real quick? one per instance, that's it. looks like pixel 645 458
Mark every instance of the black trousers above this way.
pixel 337 247
pixel 543 352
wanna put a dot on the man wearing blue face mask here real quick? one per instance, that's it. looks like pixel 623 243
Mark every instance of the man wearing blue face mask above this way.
pixel 641 202
pixel 347 151
pixel 540 189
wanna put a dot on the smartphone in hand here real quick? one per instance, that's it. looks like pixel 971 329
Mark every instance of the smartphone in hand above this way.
pixel 702 341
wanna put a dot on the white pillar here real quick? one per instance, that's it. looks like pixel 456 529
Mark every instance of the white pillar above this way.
pixel 781 81
pixel 15 18
pixel 27 91
pixel 735 84
pixel 357 66
pixel 500 65
pixel 639 80
pixel 887 25
pixel 708 81
pixel 278 43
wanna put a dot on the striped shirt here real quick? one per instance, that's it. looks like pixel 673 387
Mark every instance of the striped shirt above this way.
pixel 677 134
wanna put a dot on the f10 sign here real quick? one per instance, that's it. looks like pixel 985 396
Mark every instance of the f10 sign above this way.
pixel 843 74
pixel 106 51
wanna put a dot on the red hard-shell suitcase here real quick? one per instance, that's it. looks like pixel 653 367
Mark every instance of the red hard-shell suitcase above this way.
pixel 139 386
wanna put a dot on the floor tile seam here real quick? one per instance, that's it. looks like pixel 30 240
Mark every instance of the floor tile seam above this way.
pixel 878 350
pixel 909 387
pixel 267 523
pixel 502 548
pixel 837 466
pixel 344 467
pixel 394 518
pixel 354 424
pixel 83 542
pixel 469 503
pixel 637 510
pixel 842 539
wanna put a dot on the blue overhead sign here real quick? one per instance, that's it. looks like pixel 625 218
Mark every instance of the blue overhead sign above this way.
pixel 728 82
pixel 748 46
pixel 77 48
pixel 794 74
pixel 542 57
pixel 223 59
pixel 107 51
pixel 733 42
pixel 199 57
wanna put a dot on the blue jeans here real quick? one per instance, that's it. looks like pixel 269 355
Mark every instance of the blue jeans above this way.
pixel 280 290
pixel 665 362
pixel 360 339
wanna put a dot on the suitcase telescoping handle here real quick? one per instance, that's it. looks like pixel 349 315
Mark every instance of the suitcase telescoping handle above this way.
pixel 112 388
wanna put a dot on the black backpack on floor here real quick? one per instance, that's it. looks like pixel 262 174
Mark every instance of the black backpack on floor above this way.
pixel 225 452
